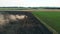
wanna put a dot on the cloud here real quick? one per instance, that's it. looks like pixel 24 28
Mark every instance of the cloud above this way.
pixel 30 3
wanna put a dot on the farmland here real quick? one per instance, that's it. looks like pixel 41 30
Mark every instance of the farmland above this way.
pixel 50 18
pixel 27 25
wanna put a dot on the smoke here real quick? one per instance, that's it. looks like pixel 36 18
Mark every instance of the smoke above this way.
pixel 4 19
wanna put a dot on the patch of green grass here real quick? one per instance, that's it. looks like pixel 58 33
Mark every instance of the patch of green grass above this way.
pixel 13 8
pixel 50 18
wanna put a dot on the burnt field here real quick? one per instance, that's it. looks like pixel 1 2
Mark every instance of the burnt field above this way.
pixel 27 25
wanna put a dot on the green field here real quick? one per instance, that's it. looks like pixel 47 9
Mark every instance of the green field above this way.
pixel 13 8
pixel 50 18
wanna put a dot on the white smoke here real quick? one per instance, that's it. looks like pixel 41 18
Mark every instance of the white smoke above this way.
pixel 21 17
pixel 7 18
pixel 2 20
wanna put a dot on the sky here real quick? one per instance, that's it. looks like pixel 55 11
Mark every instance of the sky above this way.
pixel 29 3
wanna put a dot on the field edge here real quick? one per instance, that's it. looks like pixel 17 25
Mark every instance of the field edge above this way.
pixel 50 28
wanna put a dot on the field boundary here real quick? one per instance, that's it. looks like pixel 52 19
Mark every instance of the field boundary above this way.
pixel 50 28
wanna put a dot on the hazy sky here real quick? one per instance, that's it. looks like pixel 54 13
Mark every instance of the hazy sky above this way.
pixel 30 3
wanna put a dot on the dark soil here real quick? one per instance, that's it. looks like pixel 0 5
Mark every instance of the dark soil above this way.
pixel 31 25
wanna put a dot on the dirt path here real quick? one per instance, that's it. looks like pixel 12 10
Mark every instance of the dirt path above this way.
pixel 30 25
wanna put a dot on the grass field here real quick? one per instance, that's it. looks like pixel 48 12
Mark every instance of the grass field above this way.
pixel 50 18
